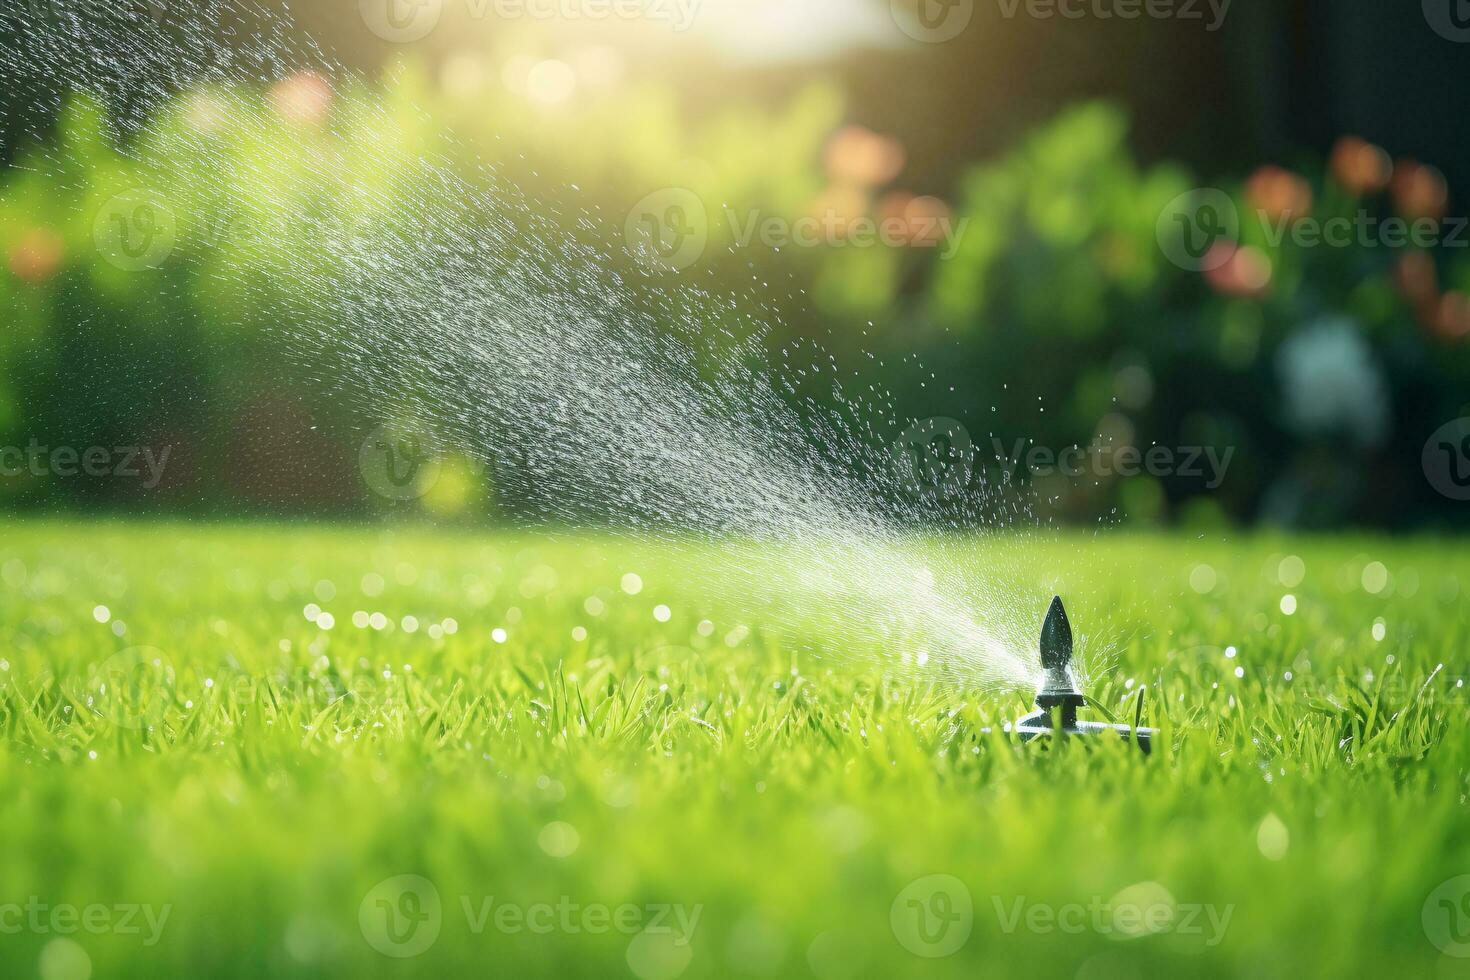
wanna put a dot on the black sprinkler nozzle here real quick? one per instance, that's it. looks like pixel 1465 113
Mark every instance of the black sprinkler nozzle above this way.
pixel 1058 697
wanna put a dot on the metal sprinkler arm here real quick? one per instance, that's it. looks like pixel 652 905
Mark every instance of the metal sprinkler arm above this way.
pixel 1058 697
pixel 1056 636
pixel 1058 686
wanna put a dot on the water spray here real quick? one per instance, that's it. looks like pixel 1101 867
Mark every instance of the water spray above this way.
pixel 1058 696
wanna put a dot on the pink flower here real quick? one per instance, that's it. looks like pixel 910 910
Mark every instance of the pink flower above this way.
pixel 1359 166
pixel 37 255
pixel 856 155
pixel 1238 270
pixel 1419 191
pixel 304 98
pixel 1278 194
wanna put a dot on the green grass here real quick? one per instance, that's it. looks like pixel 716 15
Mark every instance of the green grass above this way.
pixel 791 803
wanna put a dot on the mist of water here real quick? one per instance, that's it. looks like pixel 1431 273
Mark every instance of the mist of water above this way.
pixel 593 395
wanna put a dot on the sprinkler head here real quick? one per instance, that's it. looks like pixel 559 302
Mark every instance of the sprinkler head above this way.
pixel 1057 696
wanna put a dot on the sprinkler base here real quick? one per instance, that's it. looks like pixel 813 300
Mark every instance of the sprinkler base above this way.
pixel 1040 723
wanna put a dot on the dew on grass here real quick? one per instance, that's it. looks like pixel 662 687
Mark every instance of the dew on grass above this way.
pixel 593 605
pixel 101 614
pixel 1288 604
pixel 1202 579
pixel 1375 577
pixel 1380 629
pixel 662 613
pixel 64 959
pixel 498 635
pixel 1272 838
pixel 1291 571
pixel 632 584
pixel 559 839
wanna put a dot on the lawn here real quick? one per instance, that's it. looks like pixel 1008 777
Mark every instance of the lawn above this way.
pixel 456 779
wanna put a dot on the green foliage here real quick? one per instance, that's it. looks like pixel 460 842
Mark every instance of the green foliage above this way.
pixel 1052 290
